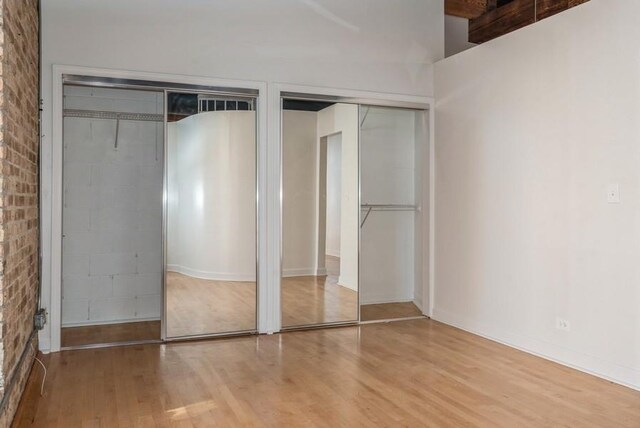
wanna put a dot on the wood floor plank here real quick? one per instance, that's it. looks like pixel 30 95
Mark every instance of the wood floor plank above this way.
pixel 386 311
pixel 410 373
pixel 110 333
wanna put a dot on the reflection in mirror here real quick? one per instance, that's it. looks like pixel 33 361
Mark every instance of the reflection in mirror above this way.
pixel 392 146
pixel 211 215
pixel 320 213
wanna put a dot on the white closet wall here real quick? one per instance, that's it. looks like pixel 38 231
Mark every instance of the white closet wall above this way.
pixel 112 209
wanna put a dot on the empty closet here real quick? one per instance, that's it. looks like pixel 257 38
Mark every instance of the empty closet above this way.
pixel 159 212
pixel 393 144
pixel 113 154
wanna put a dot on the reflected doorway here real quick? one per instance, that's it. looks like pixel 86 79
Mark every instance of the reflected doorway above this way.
pixel 320 213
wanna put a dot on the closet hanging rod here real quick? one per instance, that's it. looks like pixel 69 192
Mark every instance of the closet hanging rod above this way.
pixel 385 207
pixel 113 115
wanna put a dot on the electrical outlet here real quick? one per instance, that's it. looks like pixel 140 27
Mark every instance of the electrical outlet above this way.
pixel 613 193
pixel 563 324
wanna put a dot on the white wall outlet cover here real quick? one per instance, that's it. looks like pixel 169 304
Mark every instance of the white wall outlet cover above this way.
pixel 613 193
pixel 563 324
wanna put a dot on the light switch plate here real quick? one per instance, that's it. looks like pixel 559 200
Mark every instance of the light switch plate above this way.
pixel 613 193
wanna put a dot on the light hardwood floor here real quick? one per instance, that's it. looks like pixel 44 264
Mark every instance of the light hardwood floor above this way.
pixel 110 333
pixel 403 374
pixel 199 306
pixel 386 311
pixel 308 300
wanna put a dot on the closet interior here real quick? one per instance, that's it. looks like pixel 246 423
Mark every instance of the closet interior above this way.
pixel 112 262
pixel 393 223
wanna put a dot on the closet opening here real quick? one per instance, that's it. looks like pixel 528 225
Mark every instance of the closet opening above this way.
pixel 394 225
pixel 159 212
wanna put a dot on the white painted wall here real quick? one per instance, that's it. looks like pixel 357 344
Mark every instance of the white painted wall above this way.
pixel 299 192
pixel 388 159
pixel 456 35
pixel 375 44
pixel 531 128
pixel 211 221
pixel 343 119
pixel 334 194
pixel 112 248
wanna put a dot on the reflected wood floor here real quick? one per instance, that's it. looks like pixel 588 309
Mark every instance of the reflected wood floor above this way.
pixel 410 373
pixel 199 306
pixel 308 300
pixel 386 311
pixel 316 300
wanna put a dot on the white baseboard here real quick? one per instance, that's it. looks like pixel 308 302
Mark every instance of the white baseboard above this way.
pixel 347 285
pixel 623 375
pixel 106 322
pixel 213 276
pixel 44 343
pixel 332 253
pixel 378 300
pixel 418 304
pixel 287 273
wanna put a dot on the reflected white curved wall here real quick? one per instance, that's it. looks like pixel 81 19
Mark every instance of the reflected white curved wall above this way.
pixel 211 223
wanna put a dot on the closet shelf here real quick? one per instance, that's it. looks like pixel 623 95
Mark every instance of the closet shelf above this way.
pixel 385 207
pixel 113 115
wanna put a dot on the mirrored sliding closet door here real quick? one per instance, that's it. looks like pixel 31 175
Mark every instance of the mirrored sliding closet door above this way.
pixel 319 282
pixel 211 215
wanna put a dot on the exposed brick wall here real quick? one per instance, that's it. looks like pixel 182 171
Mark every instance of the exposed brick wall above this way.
pixel 19 216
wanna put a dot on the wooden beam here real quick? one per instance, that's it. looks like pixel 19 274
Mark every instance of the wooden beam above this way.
pixel 514 15
pixel 503 20
pixel 467 8
pixel 573 3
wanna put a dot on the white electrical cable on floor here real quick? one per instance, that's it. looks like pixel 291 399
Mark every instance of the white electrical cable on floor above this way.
pixel 43 368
